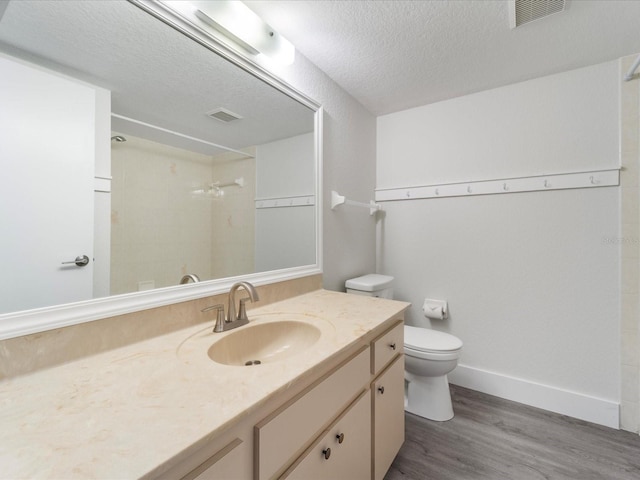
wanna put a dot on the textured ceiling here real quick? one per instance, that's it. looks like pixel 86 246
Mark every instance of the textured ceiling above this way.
pixel 155 74
pixel 393 55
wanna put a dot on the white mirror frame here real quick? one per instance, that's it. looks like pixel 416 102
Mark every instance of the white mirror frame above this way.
pixel 42 319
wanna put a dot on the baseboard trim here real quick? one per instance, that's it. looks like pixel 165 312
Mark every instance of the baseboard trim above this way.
pixel 577 405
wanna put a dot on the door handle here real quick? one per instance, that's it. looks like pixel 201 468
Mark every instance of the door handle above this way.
pixel 80 261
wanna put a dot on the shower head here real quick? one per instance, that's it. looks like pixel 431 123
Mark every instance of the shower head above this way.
pixel 118 138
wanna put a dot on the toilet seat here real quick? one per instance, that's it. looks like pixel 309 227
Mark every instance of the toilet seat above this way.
pixel 431 344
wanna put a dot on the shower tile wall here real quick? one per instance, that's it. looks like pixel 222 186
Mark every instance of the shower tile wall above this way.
pixel 153 235
pixel 630 250
pixel 160 229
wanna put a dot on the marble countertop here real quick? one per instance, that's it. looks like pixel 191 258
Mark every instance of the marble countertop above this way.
pixel 122 413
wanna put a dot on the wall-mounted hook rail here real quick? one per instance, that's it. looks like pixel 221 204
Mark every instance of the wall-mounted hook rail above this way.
pixel 542 183
pixel 337 200
pixel 283 202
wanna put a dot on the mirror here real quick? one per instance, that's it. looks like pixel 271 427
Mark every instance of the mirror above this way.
pixel 189 162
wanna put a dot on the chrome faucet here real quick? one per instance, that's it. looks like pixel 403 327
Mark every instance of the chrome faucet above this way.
pixel 192 276
pixel 232 320
pixel 242 313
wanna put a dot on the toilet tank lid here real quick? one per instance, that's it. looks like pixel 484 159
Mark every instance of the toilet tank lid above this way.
pixel 428 340
pixel 370 282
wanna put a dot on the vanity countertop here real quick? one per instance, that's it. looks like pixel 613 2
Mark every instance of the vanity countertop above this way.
pixel 122 413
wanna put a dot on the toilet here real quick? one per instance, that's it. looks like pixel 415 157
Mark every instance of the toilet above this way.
pixel 429 356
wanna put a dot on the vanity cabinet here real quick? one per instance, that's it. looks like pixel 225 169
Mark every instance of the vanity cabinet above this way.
pixel 345 422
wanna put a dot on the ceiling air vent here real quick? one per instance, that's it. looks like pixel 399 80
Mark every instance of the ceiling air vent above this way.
pixel 223 115
pixel 525 11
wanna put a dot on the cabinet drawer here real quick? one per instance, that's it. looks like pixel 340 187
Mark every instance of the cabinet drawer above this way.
pixel 344 450
pixel 277 443
pixel 387 346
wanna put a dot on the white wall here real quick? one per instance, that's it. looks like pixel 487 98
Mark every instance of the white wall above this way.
pixel 348 167
pixel 233 218
pixel 531 278
pixel 285 235
pixel 102 196
pixel 630 250
pixel 556 124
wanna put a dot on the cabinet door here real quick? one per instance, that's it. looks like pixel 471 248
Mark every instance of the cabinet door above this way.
pixel 388 416
pixel 344 449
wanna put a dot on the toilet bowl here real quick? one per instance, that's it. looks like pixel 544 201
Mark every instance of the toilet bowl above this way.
pixel 429 355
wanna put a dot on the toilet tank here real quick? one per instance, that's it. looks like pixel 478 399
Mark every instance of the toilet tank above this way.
pixel 371 285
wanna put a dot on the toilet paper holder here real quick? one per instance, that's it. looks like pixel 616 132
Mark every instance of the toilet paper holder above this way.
pixel 435 309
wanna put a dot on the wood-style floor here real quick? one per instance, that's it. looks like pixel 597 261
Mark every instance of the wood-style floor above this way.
pixel 492 438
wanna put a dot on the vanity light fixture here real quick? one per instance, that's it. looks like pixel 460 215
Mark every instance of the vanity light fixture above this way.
pixel 239 23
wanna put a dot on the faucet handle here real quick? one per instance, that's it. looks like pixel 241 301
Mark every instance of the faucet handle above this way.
pixel 219 327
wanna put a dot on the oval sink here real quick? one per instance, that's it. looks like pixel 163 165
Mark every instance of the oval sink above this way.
pixel 264 343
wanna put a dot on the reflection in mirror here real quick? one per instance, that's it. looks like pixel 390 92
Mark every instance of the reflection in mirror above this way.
pixel 148 153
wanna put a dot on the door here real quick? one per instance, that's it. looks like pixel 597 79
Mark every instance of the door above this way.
pixel 47 154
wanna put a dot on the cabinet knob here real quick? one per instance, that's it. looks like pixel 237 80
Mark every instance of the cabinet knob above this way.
pixel 327 453
pixel 381 390
pixel 340 437
pixel 392 346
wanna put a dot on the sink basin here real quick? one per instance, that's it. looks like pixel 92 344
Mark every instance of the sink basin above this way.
pixel 264 343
